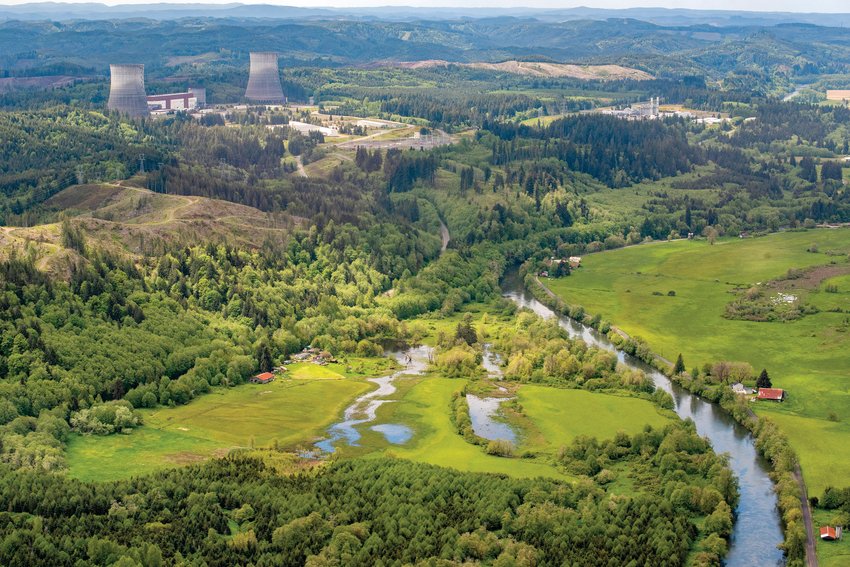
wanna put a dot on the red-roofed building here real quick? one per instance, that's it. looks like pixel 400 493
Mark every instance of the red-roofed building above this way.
pixel 830 533
pixel 772 394
pixel 263 378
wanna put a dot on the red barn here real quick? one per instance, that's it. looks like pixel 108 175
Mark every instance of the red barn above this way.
pixel 830 533
pixel 263 378
pixel 772 394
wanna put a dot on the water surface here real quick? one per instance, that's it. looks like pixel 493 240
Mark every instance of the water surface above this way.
pixel 365 408
pixel 483 412
pixel 757 531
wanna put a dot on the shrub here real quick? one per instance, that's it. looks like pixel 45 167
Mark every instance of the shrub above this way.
pixel 106 418
pixel 500 448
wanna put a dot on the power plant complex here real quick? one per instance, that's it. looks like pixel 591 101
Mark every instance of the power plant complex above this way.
pixel 127 90
pixel 264 79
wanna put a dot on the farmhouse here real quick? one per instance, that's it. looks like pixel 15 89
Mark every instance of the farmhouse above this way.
pixel 830 533
pixel 263 378
pixel 772 394
pixel 740 389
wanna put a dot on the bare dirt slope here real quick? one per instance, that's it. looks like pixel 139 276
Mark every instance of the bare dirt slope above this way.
pixel 543 69
pixel 137 221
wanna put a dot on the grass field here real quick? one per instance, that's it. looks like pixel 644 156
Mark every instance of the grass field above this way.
pixel 288 411
pixel 808 357
pixel 562 415
pixel 426 408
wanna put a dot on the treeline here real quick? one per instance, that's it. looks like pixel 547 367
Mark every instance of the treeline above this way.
pixel 617 152
pixel 375 512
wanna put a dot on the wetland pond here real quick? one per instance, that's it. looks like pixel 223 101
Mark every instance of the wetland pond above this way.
pixel 365 408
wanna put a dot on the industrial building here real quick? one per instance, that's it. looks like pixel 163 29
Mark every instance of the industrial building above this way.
pixel 264 79
pixel 192 99
pixel 127 90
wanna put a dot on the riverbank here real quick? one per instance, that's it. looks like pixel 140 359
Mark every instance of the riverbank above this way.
pixel 757 532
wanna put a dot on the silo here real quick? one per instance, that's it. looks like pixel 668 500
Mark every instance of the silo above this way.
pixel 264 78
pixel 127 90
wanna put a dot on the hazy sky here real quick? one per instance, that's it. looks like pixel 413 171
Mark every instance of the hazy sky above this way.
pixel 842 6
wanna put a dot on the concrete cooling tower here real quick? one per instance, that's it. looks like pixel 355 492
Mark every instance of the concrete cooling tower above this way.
pixel 127 90
pixel 264 79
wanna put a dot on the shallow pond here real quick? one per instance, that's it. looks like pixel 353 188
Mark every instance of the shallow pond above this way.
pixel 482 412
pixel 394 433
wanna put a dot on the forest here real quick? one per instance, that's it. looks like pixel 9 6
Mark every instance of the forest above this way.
pixel 106 319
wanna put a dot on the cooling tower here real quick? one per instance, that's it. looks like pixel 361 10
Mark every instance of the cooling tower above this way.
pixel 127 90
pixel 264 79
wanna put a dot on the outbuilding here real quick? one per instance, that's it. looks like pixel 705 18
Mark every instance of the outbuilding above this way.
pixel 830 533
pixel 263 378
pixel 772 394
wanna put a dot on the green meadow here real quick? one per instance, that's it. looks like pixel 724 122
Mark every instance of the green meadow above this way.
pixel 426 408
pixel 631 287
pixel 562 415
pixel 288 412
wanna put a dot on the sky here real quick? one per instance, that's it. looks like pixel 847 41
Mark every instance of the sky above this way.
pixel 841 6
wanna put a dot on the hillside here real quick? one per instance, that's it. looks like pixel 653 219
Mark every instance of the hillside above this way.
pixel 544 69
pixel 135 220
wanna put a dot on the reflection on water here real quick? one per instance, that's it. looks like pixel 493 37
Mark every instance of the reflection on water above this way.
pixel 365 408
pixel 492 362
pixel 394 433
pixel 757 531
pixel 482 412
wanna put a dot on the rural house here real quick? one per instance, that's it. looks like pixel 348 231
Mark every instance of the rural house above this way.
pixel 772 394
pixel 740 389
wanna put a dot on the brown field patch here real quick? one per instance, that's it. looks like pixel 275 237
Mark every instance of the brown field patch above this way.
pixel 540 69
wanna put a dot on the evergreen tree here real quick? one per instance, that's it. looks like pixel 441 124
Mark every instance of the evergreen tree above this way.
pixel 763 380
pixel 680 365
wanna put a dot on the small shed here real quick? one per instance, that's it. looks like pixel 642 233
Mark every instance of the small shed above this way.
pixel 830 533
pixel 263 378
pixel 772 394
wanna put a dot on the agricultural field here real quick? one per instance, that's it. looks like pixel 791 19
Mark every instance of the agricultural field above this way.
pixel 674 295
pixel 287 412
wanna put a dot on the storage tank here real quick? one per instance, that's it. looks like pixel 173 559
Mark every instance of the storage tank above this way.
pixel 264 79
pixel 127 90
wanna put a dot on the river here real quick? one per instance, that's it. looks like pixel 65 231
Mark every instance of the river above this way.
pixel 757 531
pixel 365 408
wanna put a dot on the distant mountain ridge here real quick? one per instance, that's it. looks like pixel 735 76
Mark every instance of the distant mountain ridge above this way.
pixel 60 11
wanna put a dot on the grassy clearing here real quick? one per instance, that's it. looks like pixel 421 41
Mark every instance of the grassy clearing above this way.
pixel 831 553
pixel 563 415
pixel 808 356
pixel 425 408
pixel 289 412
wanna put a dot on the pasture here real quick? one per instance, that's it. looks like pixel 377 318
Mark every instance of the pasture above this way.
pixel 426 408
pixel 631 287
pixel 562 415
pixel 287 412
